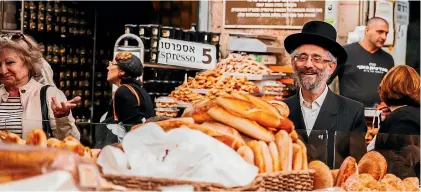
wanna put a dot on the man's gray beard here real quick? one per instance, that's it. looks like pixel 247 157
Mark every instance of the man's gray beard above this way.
pixel 321 80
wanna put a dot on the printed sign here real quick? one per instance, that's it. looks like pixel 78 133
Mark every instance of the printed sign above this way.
pixel 186 54
pixel 402 12
pixel 281 14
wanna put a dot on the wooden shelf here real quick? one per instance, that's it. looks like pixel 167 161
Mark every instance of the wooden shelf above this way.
pixel 162 66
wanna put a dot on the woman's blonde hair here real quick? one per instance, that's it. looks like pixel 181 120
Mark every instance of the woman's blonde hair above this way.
pixel 27 50
pixel 400 86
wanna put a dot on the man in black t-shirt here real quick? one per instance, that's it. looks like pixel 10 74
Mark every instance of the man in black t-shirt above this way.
pixel 366 65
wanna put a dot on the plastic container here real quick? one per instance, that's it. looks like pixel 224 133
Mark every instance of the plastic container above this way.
pixel 166 102
pixel 272 87
pixel 166 112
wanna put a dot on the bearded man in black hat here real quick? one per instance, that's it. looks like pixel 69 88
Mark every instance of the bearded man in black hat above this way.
pixel 319 114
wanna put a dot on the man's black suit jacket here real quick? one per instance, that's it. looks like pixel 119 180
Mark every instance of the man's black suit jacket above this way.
pixel 338 117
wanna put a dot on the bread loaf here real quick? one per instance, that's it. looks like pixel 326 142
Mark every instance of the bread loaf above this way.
pixel 243 125
pixel 322 176
pixel 284 144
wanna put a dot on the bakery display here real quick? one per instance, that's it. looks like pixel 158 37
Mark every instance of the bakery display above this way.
pixel 369 174
pixel 37 137
pixel 242 64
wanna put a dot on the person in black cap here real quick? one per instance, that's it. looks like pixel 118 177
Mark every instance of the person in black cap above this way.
pixel 316 111
pixel 131 103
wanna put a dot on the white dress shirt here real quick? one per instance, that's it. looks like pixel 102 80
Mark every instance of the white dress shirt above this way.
pixel 310 111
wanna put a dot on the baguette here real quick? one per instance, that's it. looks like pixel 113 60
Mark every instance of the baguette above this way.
pixel 264 105
pixel 259 161
pixel 267 158
pixel 199 111
pixel 304 153
pixel 229 135
pixel 246 153
pixel 281 107
pixel 284 144
pixel 297 158
pixel 247 110
pixel 245 126
pixel 275 156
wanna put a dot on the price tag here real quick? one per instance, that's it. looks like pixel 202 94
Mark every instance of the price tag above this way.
pixel 186 54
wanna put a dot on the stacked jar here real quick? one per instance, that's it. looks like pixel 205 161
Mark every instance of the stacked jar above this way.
pixel 166 106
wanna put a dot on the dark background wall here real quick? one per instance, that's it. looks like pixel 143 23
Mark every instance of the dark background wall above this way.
pixel 413 42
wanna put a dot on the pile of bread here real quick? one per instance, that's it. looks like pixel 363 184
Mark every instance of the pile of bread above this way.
pixel 260 132
pixel 215 83
pixel 205 80
pixel 185 94
pixel 37 137
pixel 243 64
pixel 369 174
pixel 232 84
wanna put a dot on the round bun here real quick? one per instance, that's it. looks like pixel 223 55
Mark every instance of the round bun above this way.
pixel 37 137
pixel 374 164
pixel 322 176
pixel 347 169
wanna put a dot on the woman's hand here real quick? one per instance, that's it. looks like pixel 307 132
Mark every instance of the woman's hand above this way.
pixel 385 110
pixel 63 109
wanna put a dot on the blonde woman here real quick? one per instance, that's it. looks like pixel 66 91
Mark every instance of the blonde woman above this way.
pixel 20 102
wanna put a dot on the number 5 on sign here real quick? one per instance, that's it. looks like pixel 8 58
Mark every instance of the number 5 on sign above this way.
pixel 186 54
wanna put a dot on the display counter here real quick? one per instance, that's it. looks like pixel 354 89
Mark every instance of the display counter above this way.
pixel 207 149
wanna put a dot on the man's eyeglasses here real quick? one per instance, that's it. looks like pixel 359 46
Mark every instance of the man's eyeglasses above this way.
pixel 16 37
pixel 301 58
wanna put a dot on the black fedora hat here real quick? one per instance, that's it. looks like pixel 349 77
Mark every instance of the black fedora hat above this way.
pixel 317 33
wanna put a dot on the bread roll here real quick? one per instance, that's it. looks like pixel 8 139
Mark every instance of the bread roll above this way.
pixel 284 144
pixel 347 169
pixel 374 164
pixel 229 135
pixel 267 158
pixel 246 153
pixel 322 176
pixel 275 156
pixel 245 126
pixel 304 153
pixel 258 156
pixel 297 157
pixel 37 137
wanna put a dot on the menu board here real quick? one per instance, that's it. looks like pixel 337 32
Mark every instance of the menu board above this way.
pixel 281 14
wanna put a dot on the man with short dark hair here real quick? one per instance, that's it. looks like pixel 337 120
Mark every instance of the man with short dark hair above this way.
pixel 322 118
pixel 366 66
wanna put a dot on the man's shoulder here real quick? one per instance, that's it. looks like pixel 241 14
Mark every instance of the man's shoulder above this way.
pixel 351 46
pixel 347 103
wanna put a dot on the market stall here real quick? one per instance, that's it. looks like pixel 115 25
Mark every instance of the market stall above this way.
pixel 218 144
